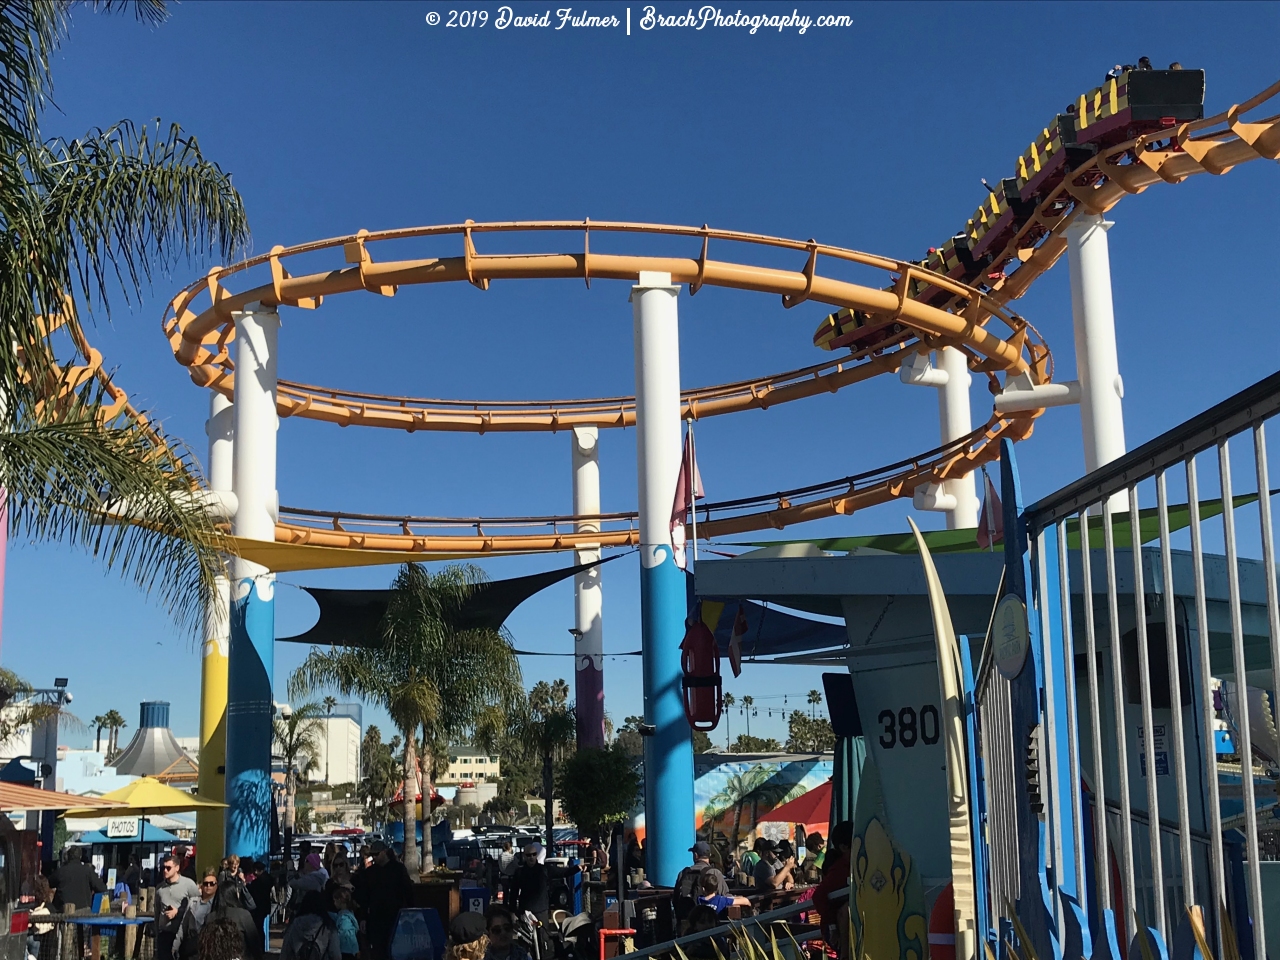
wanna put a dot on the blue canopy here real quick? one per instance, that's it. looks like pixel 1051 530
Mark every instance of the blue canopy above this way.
pixel 150 834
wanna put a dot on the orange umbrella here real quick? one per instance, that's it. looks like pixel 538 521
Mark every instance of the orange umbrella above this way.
pixel 810 808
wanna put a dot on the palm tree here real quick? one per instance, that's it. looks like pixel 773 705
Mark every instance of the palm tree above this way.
pixel 99 723
pixel 114 723
pixel 538 729
pixel 19 710
pixel 329 703
pixel 379 772
pixel 748 702
pixel 431 676
pixel 81 220
pixel 296 741
pixel 729 701
pixel 815 699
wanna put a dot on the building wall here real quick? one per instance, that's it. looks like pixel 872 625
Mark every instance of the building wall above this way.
pixel 471 765
pixel 339 754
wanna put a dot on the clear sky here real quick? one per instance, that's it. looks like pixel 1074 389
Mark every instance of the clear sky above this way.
pixel 335 117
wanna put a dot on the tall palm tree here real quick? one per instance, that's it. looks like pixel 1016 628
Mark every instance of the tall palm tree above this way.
pixel 748 704
pixel 82 222
pixel 99 723
pixel 547 726
pixel 729 701
pixel 815 700
pixel 114 723
pixel 296 741
pixel 432 676
pixel 379 772
pixel 329 703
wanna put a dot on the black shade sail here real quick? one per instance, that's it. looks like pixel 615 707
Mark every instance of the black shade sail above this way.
pixel 351 618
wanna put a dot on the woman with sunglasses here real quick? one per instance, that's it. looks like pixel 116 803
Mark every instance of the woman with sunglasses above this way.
pixel 500 926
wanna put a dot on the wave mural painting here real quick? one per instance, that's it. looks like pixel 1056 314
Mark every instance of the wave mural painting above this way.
pixel 731 796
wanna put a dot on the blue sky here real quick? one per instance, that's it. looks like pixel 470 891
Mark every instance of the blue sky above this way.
pixel 334 117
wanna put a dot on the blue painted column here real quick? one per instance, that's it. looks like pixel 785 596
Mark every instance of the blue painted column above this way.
pixel 250 704
pixel 668 753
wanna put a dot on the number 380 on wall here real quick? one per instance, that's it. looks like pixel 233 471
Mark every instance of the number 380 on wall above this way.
pixel 907 727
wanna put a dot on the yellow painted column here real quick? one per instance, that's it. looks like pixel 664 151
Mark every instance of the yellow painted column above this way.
pixel 211 824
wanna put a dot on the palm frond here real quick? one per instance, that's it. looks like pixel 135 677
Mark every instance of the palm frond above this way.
pixel 73 478
pixel 133 198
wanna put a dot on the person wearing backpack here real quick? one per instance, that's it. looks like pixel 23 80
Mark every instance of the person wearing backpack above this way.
pixel 689 882
pixel 313 934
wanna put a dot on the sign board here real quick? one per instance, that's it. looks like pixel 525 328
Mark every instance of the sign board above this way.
pixel 1010 637
pixel 1161 750
pixel 122 827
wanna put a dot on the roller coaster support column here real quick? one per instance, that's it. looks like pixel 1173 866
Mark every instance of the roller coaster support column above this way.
pixel 668 746
pixel 210 824
pixel 1101 389
pixel 951 376
pixel 956 421
pixel 588 633
pixel 250 705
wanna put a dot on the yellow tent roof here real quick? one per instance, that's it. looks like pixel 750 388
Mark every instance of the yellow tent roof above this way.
pixel 147 795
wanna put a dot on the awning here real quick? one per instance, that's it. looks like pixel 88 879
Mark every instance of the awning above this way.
pixel 14 796
pixel 152 834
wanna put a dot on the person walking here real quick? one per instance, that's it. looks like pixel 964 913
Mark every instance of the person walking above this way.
pixel 76 881
pixel 531 885
pixel 186 940
pixel 221 939
pixel 312 935
pixel 230 903
pixel 386 890
pixel 344 920
pixel 173 892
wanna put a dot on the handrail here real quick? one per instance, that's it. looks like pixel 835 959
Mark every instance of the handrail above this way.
pixel 781 913
pixel 1250 406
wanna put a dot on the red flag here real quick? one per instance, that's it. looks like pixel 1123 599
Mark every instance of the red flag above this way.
pixel 991 520
pixel 735 641
pixel 688 489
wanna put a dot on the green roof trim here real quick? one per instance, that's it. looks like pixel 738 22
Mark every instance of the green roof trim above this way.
pixel 965 541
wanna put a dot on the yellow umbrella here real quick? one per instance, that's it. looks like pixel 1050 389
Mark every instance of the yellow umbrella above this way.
pixel 144 796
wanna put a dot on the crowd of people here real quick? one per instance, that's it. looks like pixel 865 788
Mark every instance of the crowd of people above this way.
pixel 340 905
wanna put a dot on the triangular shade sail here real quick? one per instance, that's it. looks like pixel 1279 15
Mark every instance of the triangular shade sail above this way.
pixel 351 618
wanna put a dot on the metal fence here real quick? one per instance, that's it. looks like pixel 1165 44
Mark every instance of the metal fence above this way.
pixel 1144 580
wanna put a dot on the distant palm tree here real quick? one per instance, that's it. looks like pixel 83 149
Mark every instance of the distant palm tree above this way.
pixel 329 703
pixel 99 723
pixel 296 741
pixel 748 703
pixel 114 723
pixel 729 701
pixel 815 699
pixel 429 674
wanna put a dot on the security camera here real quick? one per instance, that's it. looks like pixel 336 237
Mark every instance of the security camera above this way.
pixel 66 697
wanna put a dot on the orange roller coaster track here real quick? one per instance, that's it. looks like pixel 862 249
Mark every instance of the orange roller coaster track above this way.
pixel 200 341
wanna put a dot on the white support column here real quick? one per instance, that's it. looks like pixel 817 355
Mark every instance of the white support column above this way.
pixel 588 600
pixel 250 704
pixel 956 421
pixel 210 824
pixel 1097 366
pixel 668 749
pixel 951 377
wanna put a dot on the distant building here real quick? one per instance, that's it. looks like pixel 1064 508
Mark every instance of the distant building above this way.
pixel 338 759
pixel 469 765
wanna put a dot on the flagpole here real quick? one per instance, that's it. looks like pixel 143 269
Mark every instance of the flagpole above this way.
pixel 692 467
